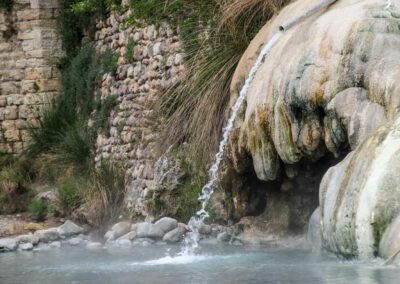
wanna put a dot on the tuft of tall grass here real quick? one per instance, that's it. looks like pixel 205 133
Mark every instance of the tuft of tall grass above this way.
pixel 106 193
pixel 15 175
pixel 63 130
pixel 214 43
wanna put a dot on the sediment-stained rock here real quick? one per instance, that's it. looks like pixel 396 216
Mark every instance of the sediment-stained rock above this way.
pixel 329 81
pixel 360 198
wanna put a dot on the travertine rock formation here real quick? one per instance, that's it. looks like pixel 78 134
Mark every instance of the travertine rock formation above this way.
pixel 360 198
pixel 328 83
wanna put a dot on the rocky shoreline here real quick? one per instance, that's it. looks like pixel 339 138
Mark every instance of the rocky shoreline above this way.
pixel 123 234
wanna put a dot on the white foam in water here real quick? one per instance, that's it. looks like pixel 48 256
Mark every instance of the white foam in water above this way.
pixel 174 260
pixel 192 240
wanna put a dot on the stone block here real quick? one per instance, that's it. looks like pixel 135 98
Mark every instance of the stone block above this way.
pixel 29 34
pixel 11 113
pixel 11 135
pixel 15 99
pixel 7 88
pixel 44 4
pixel 24 134
pixel 29 86
pixel 3 101
pixel 34 14
pixel 48 85
pixel 21 124
pixel 12 74
pixel 18 147
pixel 38 73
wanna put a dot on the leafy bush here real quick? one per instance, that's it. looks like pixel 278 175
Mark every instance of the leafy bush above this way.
pixel 7 5
pixel 63 128
pixel 103 110
pixel 14 192
pixel 77 18
pixel 69 192
pixel 129 50
pixel 38 208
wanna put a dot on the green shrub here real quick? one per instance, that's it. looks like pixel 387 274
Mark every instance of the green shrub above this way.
pixel 63 128
pixel 14 192
pixel 69 192
pixel 129 50
pixel 77 18
pixel 109 60
pixel 103 110
pixel 38 208
pixel 6 5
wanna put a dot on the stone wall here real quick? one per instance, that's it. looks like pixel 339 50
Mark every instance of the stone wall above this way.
pixel 156 62
pixel 29 78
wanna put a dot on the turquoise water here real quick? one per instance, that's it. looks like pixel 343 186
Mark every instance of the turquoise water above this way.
pixel 215 264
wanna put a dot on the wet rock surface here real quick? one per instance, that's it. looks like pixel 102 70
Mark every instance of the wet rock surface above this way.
pixel 333 90
pixel 360 198
pixel 45 238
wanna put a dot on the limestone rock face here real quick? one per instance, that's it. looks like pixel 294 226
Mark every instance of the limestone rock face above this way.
pixel 360 198
pixel 328 83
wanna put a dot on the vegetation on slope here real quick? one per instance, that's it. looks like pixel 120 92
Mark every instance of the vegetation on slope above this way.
pixel 215 34
pixel 6 5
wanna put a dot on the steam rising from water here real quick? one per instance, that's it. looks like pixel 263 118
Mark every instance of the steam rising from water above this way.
pixel 192 239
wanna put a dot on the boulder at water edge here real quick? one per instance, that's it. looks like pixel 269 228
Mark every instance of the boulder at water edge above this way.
pixel 360 198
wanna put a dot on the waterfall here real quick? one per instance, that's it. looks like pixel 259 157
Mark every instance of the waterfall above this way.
pixel 191 241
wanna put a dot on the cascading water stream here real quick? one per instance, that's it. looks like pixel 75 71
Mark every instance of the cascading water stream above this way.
pixel 191 241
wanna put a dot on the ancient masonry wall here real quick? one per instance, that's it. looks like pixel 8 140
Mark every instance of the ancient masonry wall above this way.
pixel 29 53
pixel 156 63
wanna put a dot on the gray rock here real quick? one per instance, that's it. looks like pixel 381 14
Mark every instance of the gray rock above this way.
pixel 25 246
pixel 205 229
pixel 123 243
pixel 47 235
pixel 166 224
pixel 56 244
pixel 75 241
pixel 224 237
pixel 8 244
pixel 28 238
pixel 129 236
pixel 109 236
pixel 121 229
pixel 148 230
pixel 69 229
pixel 143 242
pixel 314 230
pixel 143 229
pixel 175 235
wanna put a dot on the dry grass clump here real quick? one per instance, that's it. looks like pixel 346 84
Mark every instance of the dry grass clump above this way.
pixel 196 106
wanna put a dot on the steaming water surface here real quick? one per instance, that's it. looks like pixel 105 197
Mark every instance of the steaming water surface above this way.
pixel 216 264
